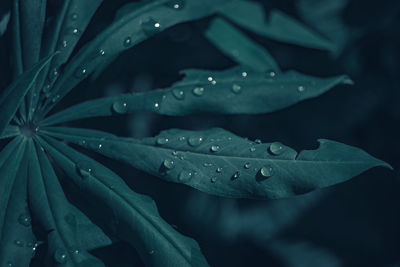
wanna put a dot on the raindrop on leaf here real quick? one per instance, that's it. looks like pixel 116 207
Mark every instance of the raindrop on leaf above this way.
pixel 162 141
pixel 151 27
pixel 276 148
pixel 214 148
pixel 24 219
pixel 266 171
pixel 60 256
pixel 195 140
pixel 235 175
pixel 198 91
pixel 120 107
pixel 84 168
pixel 178 94
pixel 236 88
pixel 185 175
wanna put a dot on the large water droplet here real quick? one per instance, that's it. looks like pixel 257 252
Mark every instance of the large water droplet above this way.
pixel 24 219
pixel 214 148
pixel 120 107
pixel 162 141
pixel 151 26
pixel 266 171
pixel 195 140
pixel 178 94
pixel 60 256
pixel 127 42
pixel 84 168
pixel 176 4
pixel 276 148
pixel 236 88
pixel 185 175
pixel 168 164
pixel 235 175
pixel 198 91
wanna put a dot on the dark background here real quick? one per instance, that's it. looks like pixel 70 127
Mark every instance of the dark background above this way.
pixel 351 224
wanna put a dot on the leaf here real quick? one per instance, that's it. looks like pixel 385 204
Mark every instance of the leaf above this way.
pixel 4 19
pixel 14 94
pixel 240 48
pixel 58 217
pixel 134 216
pixel 16 237
pixel 236 91
pixel 10 131
pixel 218 162
pixel 279 26
pixel 130 29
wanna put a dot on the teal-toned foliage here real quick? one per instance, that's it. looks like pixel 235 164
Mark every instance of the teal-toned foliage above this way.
pixel 46 68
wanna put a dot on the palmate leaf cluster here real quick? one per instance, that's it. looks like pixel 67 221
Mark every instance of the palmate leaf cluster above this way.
pixel 213 161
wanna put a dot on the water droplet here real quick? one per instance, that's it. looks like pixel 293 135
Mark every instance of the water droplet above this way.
pixel 46 88
pixel 252 149
pixel 74 16
pixel 272 74
pixel 60 256
pixel 64 43
pixel 210 79
pixel 102 52
pixel 84 169
pixel 213 179
pixel 198 91
pixel 162 141
pixel 219 170
pixel 24 219
pixel 156 106
pixel 213 82
pixel 75 31
pixel 235 175
pixel 80 72
pixel 168 164
pixel 75 251
pixel 19 243
pixel 9 264
pixel 182 138
pixel 127 41
pixel 174 153
pixel 236 88
pixel 100 145
pixel 176 4
pixel 247 165
pixel 55 98
pixel 178 94
pixel 244 74
pixel 214 148
pixel 82 142
pixel 185 175
pixel 120 107
pixel 257 141
pixel 151 27
pixel 266 171
pixel 53 74
pixel 206 164
pixel 301 88
pixel 195 140
pixel 276 148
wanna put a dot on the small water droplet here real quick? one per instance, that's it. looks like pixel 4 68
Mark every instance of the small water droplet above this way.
pixel 80 72
pixel 84 168
pixel 213 179
pixel 55 98
pixel 168 164
pixel 176 4
pixel 236 88
pixel 10 264
pixel 266 171
pixel 151 252
pixel 247 165
pixel 82 142
pixel 46 88
pixel 19 243
pixel 219 170
pixel 182 138
pixel 198 91
pixel 60 256
pixel 210 79
pixel 151 26
pixel 185 175
pixel 244 74
pixel 272 74
pixel 156 105
pixel 235 175
pixel 120 107
pixel 127 41
pixel 213 82
pixel 64 43
pixel 206 164
pixel 75 251
pixel 178 94
pixel 75 31
pixel 252 149
pixel 102 52
pixel 195 140
pixel 100 146
pixel 276 148
pixel 301 88
pixel 162 141
pixel 74 16
pixel 214 148
pixel 24 219
pixel 257 141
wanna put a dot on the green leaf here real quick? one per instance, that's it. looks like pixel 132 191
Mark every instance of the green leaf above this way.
pixel 58 217
pixel 16 237
pixel 10 131
pixel 130 29
pixel 134 217
pixel 236 91
pixel 278 26
pixel 218 162
pixel 240 48
pixel 14 94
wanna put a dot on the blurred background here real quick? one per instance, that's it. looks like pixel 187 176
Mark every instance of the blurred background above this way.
pixel 352 224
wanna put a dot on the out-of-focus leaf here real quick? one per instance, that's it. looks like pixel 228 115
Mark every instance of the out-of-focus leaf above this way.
pixel 278 26
pixel 57 217
pixel 4 23
pixel 232 91
pixel 9 131
pixel 130 29
pixel 135 217
pixel 233 43
pixel 218 162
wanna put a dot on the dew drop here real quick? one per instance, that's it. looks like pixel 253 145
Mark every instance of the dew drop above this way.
pixel 151 252
pixel 236 175
pixel 206 164
pixel 80 72
pixel 75 251
pixel 247 165
pixel 214 148
pixel 64 43
pixel 24 219
pixel 9 264
pixel 156 105
pixel 174 153
pixel 185 175
pixel 151 27
pixel 74 16
pixel 60 256
pixel 257 141
pixel 46 88
pixel 100 145
pixel 276 148
pixel 244 74
pixel 102 52
pixel 120 107
pixel 127 41
pixel 198 91
pixel 162 141
pixel 213 82
pixel 266 171
pixel 182 138
pixel 75 31
pixel 236 88
pixel 84 169
pixel 19 243
pixel 168 164
pixel 55 98
pixel 301 88
pixel 178 94
pixel 195 140
pixel 272 74
pixel 213 179
pixel 176 4
pixel 219 170
pixel 252 149
pixel 210 79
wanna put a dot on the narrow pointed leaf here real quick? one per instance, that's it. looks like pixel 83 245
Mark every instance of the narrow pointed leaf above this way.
pixel 278 26
pixel 14 94
pixel 218 162
pixel 236 91
pixel 57 216
pixel 240 48
pixel 136 219
pixel 10 131
pixel 133 26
